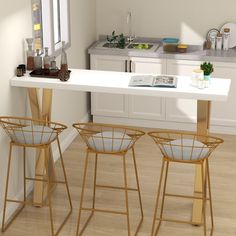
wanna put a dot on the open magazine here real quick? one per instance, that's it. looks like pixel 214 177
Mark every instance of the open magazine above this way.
pixel 167 81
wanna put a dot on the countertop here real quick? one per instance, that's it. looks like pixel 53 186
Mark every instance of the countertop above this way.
pixel 100 81
pixel 195 52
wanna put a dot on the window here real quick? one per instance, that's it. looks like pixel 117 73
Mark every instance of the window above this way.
pixel 37 24
pixel 57 21
pixel 51 24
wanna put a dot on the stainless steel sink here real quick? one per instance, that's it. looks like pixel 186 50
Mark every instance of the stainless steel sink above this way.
pixel 144 46
pixel 140 46
pixel 112 45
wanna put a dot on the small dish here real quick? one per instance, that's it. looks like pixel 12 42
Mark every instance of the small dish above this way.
pixel 182 48
pixel 46 73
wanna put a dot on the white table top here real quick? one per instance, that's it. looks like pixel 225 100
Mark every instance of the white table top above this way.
pixel 117 83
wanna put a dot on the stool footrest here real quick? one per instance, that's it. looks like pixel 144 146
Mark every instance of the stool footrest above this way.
pixel 184 196
pixel 116 187
pixel 45 180
pixel 178 221
pixel 104 211
pixel 24 202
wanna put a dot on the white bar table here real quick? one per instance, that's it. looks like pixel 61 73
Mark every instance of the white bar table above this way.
pixel 117 83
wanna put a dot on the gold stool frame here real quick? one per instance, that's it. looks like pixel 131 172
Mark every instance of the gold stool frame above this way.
pixel 162 139
pixel 16 125
pixel 88 130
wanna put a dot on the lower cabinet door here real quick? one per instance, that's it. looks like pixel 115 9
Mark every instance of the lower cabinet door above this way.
pixel 143 107
pixel 224 113
pixel 104 104
pixel 181 110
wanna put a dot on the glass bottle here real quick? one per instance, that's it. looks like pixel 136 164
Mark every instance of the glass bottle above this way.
pixel 226 36
pixel 64 65
pixel 37 61
pixel 53 67
pixel 30 54
pixel 219 41
pixel 46 59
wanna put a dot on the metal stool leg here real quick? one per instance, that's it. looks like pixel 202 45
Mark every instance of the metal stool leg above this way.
pixel 163 196
pixel 126 194
pixel 17 212
pixel 203 198
pixel 158 196
pixel 95 181
pixel 65 177
pixel 6 189
pixel 67 188
pixel 139 193
pixel 49 195
pixel 82 198
pixel 210 198
pixel 24 170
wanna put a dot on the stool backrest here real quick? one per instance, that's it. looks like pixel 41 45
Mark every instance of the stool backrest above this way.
pixel 185 147
pixel 104 138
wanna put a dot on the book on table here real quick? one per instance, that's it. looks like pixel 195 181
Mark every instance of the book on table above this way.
pixel 166 81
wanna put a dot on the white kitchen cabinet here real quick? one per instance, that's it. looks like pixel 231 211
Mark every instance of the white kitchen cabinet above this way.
pixel 143 107
pixel 134 107
pixel 110 63
pixel 181 110
pixel 223 114
pixel 102 104
pixel 161 112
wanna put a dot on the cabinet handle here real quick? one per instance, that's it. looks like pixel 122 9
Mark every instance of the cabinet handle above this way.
pixel 130 66
pixel 126 64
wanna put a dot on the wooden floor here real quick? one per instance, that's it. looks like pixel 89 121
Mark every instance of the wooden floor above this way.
pixel 35 221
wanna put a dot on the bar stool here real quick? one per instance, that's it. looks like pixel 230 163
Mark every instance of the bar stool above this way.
pixel 27 132
pixel 189 148
pixel 114 140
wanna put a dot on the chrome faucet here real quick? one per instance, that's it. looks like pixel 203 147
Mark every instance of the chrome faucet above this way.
pixel 130 37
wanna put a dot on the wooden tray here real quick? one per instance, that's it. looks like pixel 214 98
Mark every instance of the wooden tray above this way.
pixel 45 73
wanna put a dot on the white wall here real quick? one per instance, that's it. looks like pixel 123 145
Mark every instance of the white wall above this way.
pixel 188 19
pixel 15 25
pixel 68 107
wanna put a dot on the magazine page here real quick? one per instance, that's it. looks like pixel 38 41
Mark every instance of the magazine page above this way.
pixel 141 80
pixel 165 81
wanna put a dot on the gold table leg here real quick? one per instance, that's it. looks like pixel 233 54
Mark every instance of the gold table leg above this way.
pixel 45 114
pixel 203 120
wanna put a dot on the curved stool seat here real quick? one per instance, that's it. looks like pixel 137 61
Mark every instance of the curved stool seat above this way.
pixel 102 139
pixel 27 132
pixel 185 148
pixel 33 135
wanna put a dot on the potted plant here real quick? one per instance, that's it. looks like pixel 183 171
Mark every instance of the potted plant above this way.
pixel 207 68
pixel 112 38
